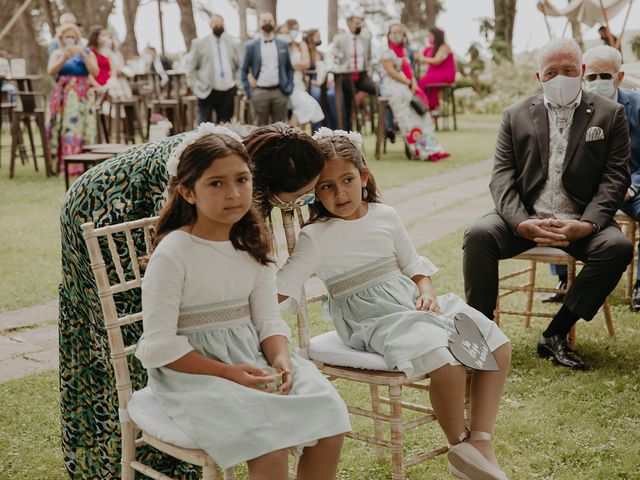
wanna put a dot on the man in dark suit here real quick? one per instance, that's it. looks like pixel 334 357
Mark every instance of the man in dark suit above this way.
pixel 267 74
pixel 560 173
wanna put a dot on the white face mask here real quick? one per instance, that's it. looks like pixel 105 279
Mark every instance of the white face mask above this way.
pixel 69 42
pixel 605 88
pixel 562 90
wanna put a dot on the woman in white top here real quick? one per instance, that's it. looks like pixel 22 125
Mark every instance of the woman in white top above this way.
pixel 212 326
pixel 381 300
pixel 305 108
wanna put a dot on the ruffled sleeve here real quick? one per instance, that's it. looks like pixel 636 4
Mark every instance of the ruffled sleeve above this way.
pixel 265 312
pixel 410 262
pixel 161 297
pixel 301 264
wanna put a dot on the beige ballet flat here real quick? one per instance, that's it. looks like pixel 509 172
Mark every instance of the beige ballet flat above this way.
pixel 468 463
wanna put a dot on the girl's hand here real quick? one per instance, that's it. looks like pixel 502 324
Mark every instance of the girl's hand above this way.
pixel 250 376
pixel 284 364
pixel 414 85
pixel 428 303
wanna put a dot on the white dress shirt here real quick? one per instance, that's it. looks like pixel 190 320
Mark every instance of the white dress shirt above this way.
pixel 357 41
pixel 269 76
pixel 223 79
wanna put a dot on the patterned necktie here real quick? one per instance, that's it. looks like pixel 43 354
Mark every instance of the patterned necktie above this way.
pixel 220 57
pixel 356 75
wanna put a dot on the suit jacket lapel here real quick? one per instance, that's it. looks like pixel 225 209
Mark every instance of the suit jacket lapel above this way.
pixel 540 120
pixel 581 118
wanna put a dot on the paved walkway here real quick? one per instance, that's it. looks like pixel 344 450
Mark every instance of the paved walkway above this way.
pixel 431 208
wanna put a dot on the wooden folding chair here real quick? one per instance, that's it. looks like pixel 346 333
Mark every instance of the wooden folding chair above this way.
pixel 142 421
pixel 375 376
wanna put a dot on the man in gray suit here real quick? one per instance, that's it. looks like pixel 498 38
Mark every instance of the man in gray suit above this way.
pixel 351 52
pixel 212 72
pixel 560 173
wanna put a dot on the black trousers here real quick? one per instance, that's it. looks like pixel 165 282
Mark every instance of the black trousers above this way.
pixel 349 89
pixel 220 101
pixel 605 254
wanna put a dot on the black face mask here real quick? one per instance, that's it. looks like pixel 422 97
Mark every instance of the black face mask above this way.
pixel 267 28
pixel 217 31
pixel 357 31
pixel 318 43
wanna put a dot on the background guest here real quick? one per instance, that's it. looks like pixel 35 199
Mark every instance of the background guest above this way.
pixel 441 66
pixel 266 58
pixel 211 72
pixel 71 119
pixel 317 64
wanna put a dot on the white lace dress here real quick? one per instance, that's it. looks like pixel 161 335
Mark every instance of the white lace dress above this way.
pixel 304 106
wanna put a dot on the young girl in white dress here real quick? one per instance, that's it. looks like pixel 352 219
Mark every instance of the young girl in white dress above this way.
pixel 381 300
pixel 212 324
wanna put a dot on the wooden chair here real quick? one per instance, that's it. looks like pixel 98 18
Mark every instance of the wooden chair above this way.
pixel 547 255
pixel 375 376
pixel 630 229
pixel 30 109
pixel 87 160
pixel 127 109
pixel 142 421
pixel 447 109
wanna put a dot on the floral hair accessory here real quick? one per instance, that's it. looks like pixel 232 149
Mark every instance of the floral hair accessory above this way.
pixel 353 137
pixel 191 137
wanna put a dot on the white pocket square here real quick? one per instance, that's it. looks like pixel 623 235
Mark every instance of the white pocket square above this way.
pixel 594 133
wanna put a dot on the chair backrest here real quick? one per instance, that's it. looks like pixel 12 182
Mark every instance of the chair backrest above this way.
pixel 128 241
pixel 303 324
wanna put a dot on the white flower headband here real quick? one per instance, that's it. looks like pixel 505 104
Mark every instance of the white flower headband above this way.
pixel 353 137
pixel 191 137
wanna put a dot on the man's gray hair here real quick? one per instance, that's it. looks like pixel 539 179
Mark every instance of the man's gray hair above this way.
pixel 603 52
pixel 556 45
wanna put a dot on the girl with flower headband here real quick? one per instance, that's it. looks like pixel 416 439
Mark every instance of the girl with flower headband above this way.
pixel 381 300
pixel 214 344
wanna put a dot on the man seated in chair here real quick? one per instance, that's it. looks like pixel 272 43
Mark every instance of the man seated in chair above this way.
pixel 560 173
pixel 603 76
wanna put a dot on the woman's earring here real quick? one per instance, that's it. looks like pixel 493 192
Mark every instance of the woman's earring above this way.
pixel 365 193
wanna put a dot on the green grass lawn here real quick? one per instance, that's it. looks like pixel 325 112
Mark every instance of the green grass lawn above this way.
pixel 30 205
pixel 554 424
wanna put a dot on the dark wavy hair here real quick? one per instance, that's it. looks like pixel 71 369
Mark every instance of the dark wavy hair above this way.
pixel 94 33
pixel 339 146
pixel 249 234
pixel 285 160
pixel 438 39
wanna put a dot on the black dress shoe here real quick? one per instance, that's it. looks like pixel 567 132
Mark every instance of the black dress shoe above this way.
pixel 635 300
pixel 556 297
pixel 391 135
pixel 557 348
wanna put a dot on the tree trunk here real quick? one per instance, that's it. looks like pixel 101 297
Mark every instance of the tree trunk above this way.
pixel 332 18
pixel 130 45
pixel 576 30
pixel 89 13
pixel 242 12
pixel 267 6
pixel 27 34
pixel 187 22
pixel 432 13
pixel 48 11
pixel 505 14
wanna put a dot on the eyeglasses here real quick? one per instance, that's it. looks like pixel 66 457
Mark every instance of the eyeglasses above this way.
pixel 302 201
pixel 604 76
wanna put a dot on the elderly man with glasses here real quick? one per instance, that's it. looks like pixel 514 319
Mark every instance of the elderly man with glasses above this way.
pixel 560 173
pixel 603 76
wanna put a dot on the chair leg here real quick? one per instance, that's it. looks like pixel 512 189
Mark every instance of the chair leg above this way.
pixel 128 450
pixel 530 292
pixel 27 122
pixel 230 474
pixel 571 338
pixel 46 150
pixel 606 308
pixel 631 235
pixel 397 433
pixel 378 427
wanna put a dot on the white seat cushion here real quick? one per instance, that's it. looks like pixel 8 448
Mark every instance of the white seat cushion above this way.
pixel 328 348
pixel 146 412
pixel 545 251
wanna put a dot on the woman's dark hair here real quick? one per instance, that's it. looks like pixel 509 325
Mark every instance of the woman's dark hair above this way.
pixel 249 234
pixel 339 146
pixel 313 48
pixel 94 33
pixel 285 159
pixel 438 39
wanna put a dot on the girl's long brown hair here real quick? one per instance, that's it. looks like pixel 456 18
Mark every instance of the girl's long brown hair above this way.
pixel 249 234
pixel 339 146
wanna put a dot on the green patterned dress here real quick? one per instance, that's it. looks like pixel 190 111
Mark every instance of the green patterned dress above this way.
pixel 127 187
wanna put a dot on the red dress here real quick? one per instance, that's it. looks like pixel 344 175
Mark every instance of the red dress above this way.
pixel 443 73
pixel 105 68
